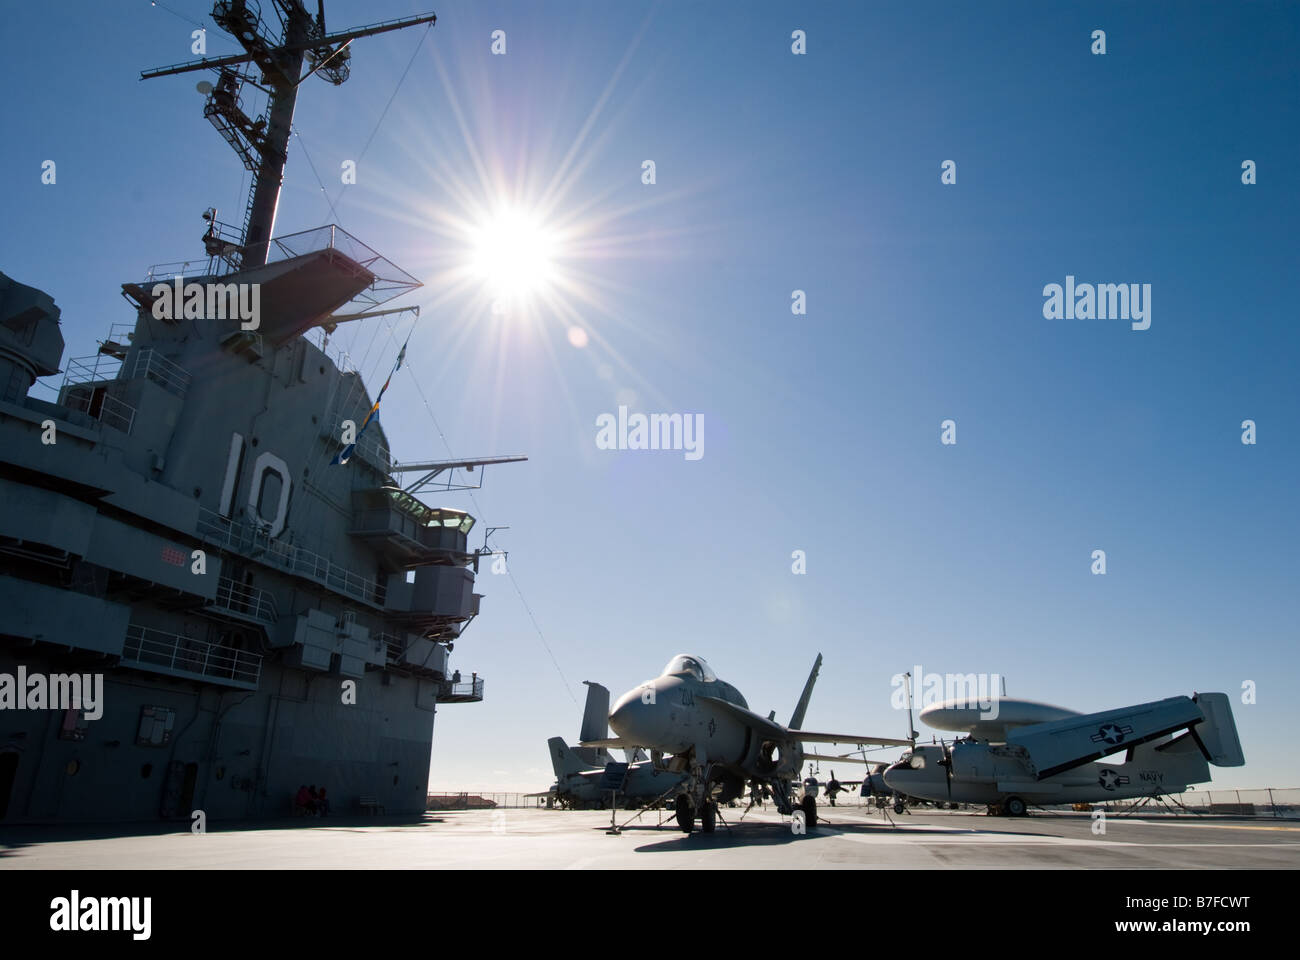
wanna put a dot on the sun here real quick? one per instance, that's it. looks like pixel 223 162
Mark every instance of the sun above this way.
pixel 514 255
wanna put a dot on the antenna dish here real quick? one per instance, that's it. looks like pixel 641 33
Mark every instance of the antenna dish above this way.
pixel 203 87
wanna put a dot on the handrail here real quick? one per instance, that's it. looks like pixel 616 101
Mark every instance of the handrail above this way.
pixel 245 539
pixel 168 374
pixel 241 598
pixel 147 647
pixel 111 412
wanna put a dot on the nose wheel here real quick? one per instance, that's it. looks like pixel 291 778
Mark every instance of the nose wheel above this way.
pixel 685 814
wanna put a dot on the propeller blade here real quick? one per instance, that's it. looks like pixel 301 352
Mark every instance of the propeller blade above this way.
pixel 946 763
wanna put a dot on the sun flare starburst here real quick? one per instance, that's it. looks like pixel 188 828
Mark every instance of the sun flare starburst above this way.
pixel 513 253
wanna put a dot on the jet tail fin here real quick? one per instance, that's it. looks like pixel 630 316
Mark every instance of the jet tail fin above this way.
pixel 1217 735
pixel 595 717
pixel 563 760
pixel 796 721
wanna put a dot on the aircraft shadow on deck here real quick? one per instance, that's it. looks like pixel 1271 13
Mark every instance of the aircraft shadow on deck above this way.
pixel 773 834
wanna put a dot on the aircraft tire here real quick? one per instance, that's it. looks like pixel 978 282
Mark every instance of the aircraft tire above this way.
pixel 1014 807
pixel 809 807
pixel 685 815
pixel 709 818
pixel 899 807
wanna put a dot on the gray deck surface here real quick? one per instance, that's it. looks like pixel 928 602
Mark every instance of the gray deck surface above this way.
pixel 542 839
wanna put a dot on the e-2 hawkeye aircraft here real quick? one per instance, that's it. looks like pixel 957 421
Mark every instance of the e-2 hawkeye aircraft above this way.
pixel 695 724
pixel 1036 753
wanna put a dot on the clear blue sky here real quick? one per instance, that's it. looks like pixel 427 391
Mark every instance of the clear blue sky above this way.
pixel 774 173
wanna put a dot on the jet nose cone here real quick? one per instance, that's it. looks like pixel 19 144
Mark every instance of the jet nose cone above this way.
pixel 895 775
pixel 635 720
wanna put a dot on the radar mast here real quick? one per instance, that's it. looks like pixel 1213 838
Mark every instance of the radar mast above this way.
pixel 262 144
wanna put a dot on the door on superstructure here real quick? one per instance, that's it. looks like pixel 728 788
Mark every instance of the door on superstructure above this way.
pixel 191 776
pixel 178 790
pixel 8 774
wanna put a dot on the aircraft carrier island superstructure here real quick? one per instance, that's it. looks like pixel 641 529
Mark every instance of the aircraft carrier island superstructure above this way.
pixel 267 606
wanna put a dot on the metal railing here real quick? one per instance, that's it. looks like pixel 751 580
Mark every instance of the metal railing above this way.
pixel 164 652
pixel 99 368
pixel 387 279
pixel 166 272
pixel 244 539
pixel 103 408
pixel 341 359
pixel 478 800
pixel 394 645
pixel 102 369
pixel 168 374
pixel 241 598
pixel 1261 802
pixel 463 692
pixel 1273 802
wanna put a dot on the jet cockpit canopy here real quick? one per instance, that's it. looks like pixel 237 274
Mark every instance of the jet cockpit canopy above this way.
pixel 694 666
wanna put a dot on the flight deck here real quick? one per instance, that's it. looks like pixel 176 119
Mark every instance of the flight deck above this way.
pixel 849 838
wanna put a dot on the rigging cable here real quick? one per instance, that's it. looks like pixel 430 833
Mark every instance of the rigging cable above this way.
pixel 477 509
pixel 334 217
pixel 155 3
pixel 419 46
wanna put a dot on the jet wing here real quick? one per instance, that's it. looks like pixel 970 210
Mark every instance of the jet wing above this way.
pixel 807 736
pixel 823 756
pixel 765 727
pixel 609 743
pixel 1065 744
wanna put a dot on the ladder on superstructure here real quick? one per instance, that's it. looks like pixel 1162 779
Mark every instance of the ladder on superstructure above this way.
pixel 262 144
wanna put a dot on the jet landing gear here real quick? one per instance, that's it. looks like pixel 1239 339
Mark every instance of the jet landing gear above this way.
pixel 685 814
pixel 809 807
pixel 709 817
pixel 1010 807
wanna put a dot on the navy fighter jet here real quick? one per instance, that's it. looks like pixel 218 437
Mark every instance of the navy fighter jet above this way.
pixel 698 725
pixel 580 786
pixel 585 777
